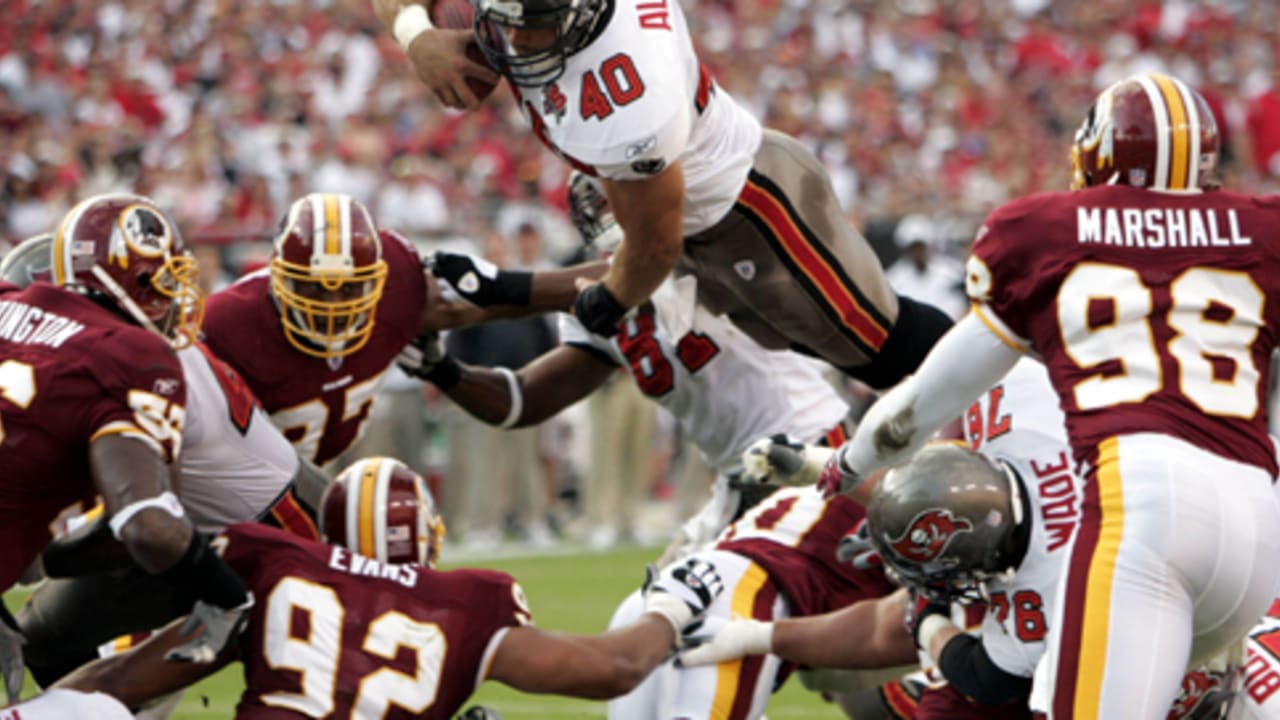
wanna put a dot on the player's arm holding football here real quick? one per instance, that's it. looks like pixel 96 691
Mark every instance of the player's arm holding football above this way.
pixel 438 55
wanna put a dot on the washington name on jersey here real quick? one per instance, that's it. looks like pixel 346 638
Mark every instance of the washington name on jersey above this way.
pixel 1151 310
pixel 71 371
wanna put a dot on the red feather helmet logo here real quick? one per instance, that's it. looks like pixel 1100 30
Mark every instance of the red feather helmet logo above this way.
pixel 929 534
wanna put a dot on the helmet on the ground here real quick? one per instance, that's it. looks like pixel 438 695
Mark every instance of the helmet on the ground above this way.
pixel 572 24
pixel 590 213
pixel 946 521
pixel 327 274
pixel 381 509
pixel 122 249
pixel 1150 130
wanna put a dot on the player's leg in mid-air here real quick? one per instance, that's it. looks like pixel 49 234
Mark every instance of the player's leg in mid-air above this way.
pixel 789 269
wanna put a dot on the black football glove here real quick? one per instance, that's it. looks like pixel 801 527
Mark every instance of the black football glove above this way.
pixel 425 358
pixel 478 281
pixel 479 712
pixel 598 310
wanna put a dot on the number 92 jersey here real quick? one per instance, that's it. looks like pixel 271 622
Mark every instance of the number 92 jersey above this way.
pixel 1152 311
pixel 337 635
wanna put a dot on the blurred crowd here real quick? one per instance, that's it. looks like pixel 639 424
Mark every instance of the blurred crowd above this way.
pixel 225 110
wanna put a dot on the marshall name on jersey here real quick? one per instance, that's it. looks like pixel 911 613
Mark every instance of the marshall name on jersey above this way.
pixel 724 390
pixel 1151 310
pixel 636 100
pixel 338 635
pixel 70 372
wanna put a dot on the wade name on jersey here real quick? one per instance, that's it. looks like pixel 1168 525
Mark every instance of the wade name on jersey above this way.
pixel 1160 227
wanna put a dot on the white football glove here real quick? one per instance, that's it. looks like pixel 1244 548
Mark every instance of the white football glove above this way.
pixel 681 593
pixel 217 630
pixel 735 639
pixel 780 460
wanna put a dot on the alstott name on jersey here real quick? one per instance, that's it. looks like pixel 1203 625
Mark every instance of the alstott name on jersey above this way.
pixel 349 562
pixel 1159 227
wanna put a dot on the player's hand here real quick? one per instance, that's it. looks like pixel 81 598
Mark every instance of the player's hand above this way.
pixel 216 629
pixel 439 59
pixel 856 549
pixel 735 639
pixel 477 281
pixel 681 593
pixel 919 609
pixel 597 309
pixel 781 460
pixel 421 355
pixel 835 478
pixel 11 662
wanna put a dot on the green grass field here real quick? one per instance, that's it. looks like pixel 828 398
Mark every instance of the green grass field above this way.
pixel 571 592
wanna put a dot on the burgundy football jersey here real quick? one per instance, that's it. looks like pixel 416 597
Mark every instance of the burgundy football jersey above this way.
pixel 1154 312
pixel 793 535
pixel 337 635
pixel 320 405
pixel 71 371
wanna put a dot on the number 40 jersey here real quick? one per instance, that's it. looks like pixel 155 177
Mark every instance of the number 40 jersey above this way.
pixel 1153 311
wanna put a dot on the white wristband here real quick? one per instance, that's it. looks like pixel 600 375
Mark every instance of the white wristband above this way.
pixel 166 501
pixel 517 399
pixel 929 628
pixel 411 21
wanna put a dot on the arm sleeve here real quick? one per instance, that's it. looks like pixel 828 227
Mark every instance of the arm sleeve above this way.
pixel 966 665
pixel 965 362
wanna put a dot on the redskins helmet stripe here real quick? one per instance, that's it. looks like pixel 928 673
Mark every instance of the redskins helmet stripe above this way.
pixel 327 275
pixel 1177 131
pixel 379 508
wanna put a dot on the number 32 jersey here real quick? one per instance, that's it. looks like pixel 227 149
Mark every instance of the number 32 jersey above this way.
pixel 1153 311
pixel 337 635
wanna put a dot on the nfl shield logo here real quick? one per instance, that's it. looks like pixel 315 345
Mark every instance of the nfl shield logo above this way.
pixel 746 269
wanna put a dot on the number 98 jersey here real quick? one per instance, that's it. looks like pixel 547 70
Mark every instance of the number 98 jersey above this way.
pixel 1152 311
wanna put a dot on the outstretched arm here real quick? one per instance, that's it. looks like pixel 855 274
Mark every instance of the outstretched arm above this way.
pixel 593 666
pixel 142 674
pixel 548 384
pixel 965 362
pixel 465 290
pixel 869 634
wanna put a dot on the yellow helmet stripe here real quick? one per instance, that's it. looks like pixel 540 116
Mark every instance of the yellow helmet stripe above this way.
pixel 367 512
pixel 1180 131
pixel 332 225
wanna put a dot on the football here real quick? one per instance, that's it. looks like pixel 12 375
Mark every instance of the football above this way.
pixel 459 15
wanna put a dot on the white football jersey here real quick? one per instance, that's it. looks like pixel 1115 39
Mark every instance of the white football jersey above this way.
pixel 723 389
pixel 1259 699
pixel 60 704
pixel 1018 421
pixel 234 462
pixel 637 100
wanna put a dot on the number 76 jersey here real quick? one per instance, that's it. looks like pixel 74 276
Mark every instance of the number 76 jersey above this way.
pixel 1154 312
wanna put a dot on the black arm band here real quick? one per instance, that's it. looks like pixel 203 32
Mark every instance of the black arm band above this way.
pixel 444 374
pixel 205 575
pixel 969 669
pixel 515 287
